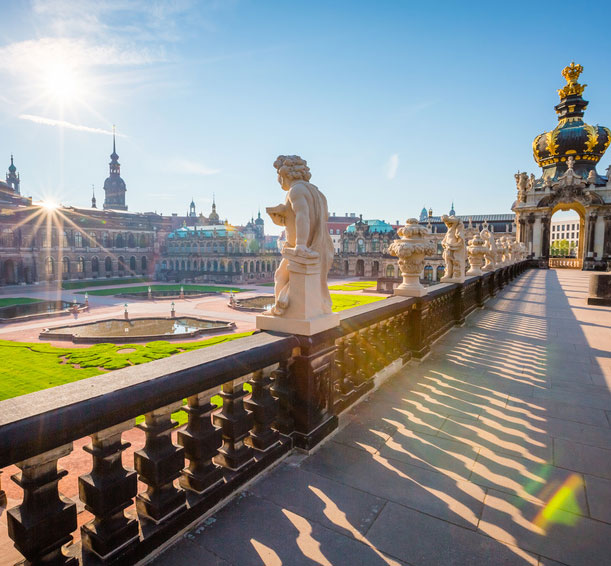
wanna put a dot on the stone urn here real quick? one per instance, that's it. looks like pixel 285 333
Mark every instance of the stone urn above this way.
pixel 415 244
pixel 477 251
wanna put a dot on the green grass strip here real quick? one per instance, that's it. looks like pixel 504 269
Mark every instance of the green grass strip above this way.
pixel 343 302
pixel 102 282
pixel 354 286
pixel 130 290
pixel 10 301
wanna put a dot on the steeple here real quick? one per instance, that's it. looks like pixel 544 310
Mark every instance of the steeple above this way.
pixel 114 186
pixel 192 208
pixel 12 177
pixel 452 212
pixel 214 217
pixel 93 201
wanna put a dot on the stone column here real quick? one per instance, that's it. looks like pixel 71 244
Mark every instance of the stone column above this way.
pixel 536 240
pixel 545 232
pixel 591 233
pixel 599 237
pixel 607 241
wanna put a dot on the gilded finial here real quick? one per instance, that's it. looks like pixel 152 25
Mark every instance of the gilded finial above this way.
pixel 571 74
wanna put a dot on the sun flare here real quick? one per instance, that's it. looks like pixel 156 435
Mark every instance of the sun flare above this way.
pixel 62 82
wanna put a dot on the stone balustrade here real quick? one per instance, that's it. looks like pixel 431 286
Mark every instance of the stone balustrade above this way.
pixel 299 386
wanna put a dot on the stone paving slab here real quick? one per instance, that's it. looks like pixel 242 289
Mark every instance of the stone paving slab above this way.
pixel 496 449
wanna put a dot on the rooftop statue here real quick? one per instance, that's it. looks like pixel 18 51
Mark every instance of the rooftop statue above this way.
pixel 453 250
pixel 491 252
pixel 302 300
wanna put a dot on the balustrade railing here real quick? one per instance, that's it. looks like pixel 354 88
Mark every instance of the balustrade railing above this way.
pixel 564 262
pixel 297 388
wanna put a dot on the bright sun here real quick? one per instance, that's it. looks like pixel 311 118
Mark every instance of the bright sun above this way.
pixel 62 82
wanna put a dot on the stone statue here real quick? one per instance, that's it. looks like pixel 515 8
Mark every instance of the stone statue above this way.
pixel 491 251
pixel 415 244
pixel 302 300
pixel 609 175
pixel 477 252
pixel 522 185
pixel 453 250
pixel 531 182
pixel 591 180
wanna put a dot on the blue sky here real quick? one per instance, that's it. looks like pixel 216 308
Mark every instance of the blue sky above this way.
pixel 395 105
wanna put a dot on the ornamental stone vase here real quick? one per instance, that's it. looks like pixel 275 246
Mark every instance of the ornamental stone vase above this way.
pixel 476 251
pixel 411 249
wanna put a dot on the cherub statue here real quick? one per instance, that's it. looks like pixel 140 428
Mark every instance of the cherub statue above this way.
pixel 453 250
pixel 491 251
pixel 304 215
pixel 531 182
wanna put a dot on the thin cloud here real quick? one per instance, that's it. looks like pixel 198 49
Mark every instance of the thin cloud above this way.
pixel 192 167
pixel 64 124
pixel 392 166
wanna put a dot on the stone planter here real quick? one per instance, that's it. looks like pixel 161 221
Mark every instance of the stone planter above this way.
pixel 476 250
pixel 411 249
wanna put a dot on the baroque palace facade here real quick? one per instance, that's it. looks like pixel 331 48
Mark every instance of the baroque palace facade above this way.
pixel 40 242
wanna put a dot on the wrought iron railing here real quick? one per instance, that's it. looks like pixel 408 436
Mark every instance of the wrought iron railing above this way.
pixel 298 387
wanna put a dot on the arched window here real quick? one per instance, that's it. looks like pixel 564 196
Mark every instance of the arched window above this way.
pixel 375 245
pixel 105 240
pixel 252 267
pixel 208 266
pixel 182 265
pixel 7 238
pixel 428 273
pixel 440 272
pixel 131 241
pixel 245 267
pixel 345 244
pixel 222 266
pixel 390 271
pixel 132 263
pixel 142 240
pixel 93 240
pixel 237 267
pixel 361 246
pixel 78 240
pixel 50 266
pixel 95 265
pixel 80 265
pixel 215 265
pixel 257 268
pixel 65 265
pixel 143 263
pixel 64 239
pixel 229 248
pixel 108 264
pixel 121 263
pixel 119 243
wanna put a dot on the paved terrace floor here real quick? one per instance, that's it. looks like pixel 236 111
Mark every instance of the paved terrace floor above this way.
pixel 494 450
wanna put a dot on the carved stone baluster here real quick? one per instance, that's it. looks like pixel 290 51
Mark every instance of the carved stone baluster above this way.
pixel 42 524
pixel 264 409
pixel 106 492
pixel 234 422
pixel 158 464
pixel 350 364
pixel 282 390
pixel 362 358
pixel 373 335
pixel 201 441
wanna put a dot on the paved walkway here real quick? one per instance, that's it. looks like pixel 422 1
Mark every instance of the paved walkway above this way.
pixel 495 450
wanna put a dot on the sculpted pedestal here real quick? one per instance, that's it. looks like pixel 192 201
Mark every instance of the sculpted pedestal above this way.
pixel 304 314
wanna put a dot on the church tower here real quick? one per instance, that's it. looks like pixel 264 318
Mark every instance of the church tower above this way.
pixel 12 178
pixel 192 212
pixel 114 186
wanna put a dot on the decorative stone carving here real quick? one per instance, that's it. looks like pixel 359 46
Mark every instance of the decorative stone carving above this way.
pixel 415 244
pixel 302 300
pixel 515 251
pixel 523 251
pixel 490 250
pixel 522 185
pixel 531 182
pixel 477 252
pixel 569 178
pixel 591 180
pixel 453 250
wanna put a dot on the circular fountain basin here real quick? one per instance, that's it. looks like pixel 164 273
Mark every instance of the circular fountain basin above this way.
pixel 253 304
pixel 31 311
pixel 123 331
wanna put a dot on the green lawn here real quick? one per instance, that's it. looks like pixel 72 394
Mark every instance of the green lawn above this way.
pixel 144 289
pixel 10 301
pixel 27 367
pixel 354 286
pixel 102 282
pixel 343 302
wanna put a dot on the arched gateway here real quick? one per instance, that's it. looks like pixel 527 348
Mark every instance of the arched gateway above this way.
pixel 568 156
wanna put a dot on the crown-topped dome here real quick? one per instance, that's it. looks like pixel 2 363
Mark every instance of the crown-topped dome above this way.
pixel 572 136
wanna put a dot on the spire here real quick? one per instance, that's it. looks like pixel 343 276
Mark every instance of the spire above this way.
pixel 12 178
pixel 93 201
pixel 114 144
pixel 12 167
pixel 452 211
